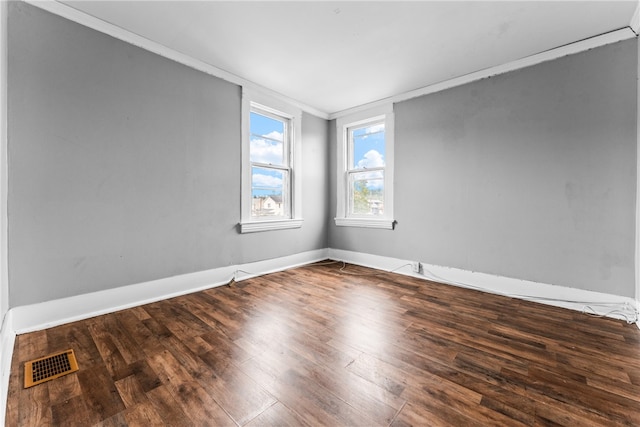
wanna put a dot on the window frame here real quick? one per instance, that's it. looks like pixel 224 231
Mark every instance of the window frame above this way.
pixel 259 103
pixel 344 125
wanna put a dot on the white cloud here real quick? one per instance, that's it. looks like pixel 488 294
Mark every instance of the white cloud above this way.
pixel 261 180
pixel 278 136
pixel 371 159
pixel 266 152
pixel 371 130
pixel 376 128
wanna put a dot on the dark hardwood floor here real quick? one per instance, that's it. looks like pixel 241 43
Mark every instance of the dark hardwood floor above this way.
pixel 316 346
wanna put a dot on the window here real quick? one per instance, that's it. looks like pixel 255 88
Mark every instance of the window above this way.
pixel 270 170
pixel 270 153
pixel 365 175
pixel 365 170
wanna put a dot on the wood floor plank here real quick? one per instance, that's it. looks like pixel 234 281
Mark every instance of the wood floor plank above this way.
pixel 99 392
pixel 198 406
pixel 34 405
pixel 415 415
pixel 367 397
pixel 577 392
pixel 239 394
pixel 113 359
pixel 117 420
pixel 380 373
pixel 337 345
pixel 316 405
pixel 175 318
pixel 548 407
pixel 437 401
pixel 126 344
pixel 145 340
pixel 329 405
pixel 359 393
pixel 13 394
pixel 72 412
pixel 166 407
pixel 33 346
pixel 64 388
pixel 278 415
pixel 143 415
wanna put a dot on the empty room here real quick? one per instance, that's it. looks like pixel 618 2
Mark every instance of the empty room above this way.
pixel 305 213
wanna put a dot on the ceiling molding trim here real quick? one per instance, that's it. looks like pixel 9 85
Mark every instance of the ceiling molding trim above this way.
pixel 548 55
pixel 119 33
pixel 635 20
pixel 68 12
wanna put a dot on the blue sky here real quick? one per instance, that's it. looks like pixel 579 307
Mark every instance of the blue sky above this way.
pixel 266 147
pixel 368 147
pixel 368 152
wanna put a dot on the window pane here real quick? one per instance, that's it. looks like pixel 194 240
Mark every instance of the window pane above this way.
pixel 267 140
pixel 268 192
pixel 366 193
pixel 368 146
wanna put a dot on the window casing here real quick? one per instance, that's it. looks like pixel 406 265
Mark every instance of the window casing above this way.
pixel 365 169
pixel 271 195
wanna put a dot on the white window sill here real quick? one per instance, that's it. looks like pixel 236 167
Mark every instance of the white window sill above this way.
pixel 385 223
pixel 255 226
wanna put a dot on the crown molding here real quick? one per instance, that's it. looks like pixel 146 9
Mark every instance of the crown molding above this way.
pixel 68 12
pixel 538 58
pixel 79 17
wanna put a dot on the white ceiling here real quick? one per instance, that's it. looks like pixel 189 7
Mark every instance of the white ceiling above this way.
pixel 337 55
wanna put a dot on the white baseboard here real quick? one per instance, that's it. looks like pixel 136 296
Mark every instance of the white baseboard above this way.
pixel 602 304
pixel 7 340
pixel 47 314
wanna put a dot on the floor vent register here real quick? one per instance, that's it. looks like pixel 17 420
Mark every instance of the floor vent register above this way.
pixel 49 368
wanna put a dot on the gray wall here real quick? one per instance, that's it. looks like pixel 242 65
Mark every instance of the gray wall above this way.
pixel 530 175
pixel 124 166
